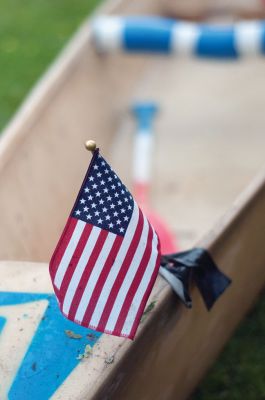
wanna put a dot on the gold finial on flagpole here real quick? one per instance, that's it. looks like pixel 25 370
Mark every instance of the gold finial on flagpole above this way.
pixel 90 145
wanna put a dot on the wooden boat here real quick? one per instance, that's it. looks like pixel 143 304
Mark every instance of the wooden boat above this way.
pixel 210 145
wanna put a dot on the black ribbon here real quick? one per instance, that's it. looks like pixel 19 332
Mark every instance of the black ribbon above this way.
pixel 194 264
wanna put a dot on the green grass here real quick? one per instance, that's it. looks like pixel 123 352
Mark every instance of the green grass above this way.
pixel 31 34
pixel 239 373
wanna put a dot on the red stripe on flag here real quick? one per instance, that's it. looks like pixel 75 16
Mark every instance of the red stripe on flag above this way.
pixel 86 274
pixel 74 261
pixel 146 295
pixel 102 279
pixel 61 246
pixel 134 285
pixel 122 273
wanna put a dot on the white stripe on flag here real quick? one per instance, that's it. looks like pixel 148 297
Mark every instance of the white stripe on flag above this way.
pixel 141 289
pixel 92 281
pixel 81 265
pixel 69 253
pixel 104 295
pixel 137 258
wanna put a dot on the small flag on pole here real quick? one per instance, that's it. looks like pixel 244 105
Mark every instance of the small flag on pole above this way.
pixel 108 257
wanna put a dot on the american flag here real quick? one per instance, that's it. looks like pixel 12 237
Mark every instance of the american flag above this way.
pixel 107 259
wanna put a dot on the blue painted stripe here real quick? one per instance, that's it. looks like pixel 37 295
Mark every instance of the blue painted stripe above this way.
pixel 154 35
pixel 216 42
pixel 2 323
pixel 147 34
pixel 51 355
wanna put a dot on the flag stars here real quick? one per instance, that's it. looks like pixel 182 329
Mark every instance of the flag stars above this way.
pixel 104 201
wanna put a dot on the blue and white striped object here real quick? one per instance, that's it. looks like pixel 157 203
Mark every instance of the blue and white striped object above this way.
pixel 167 36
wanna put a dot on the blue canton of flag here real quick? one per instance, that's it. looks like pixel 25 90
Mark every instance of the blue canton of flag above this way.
pixel 104 201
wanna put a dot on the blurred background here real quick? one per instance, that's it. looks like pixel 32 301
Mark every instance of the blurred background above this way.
pixel 32 32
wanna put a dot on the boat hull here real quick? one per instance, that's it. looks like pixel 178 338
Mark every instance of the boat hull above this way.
pixel 209 146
